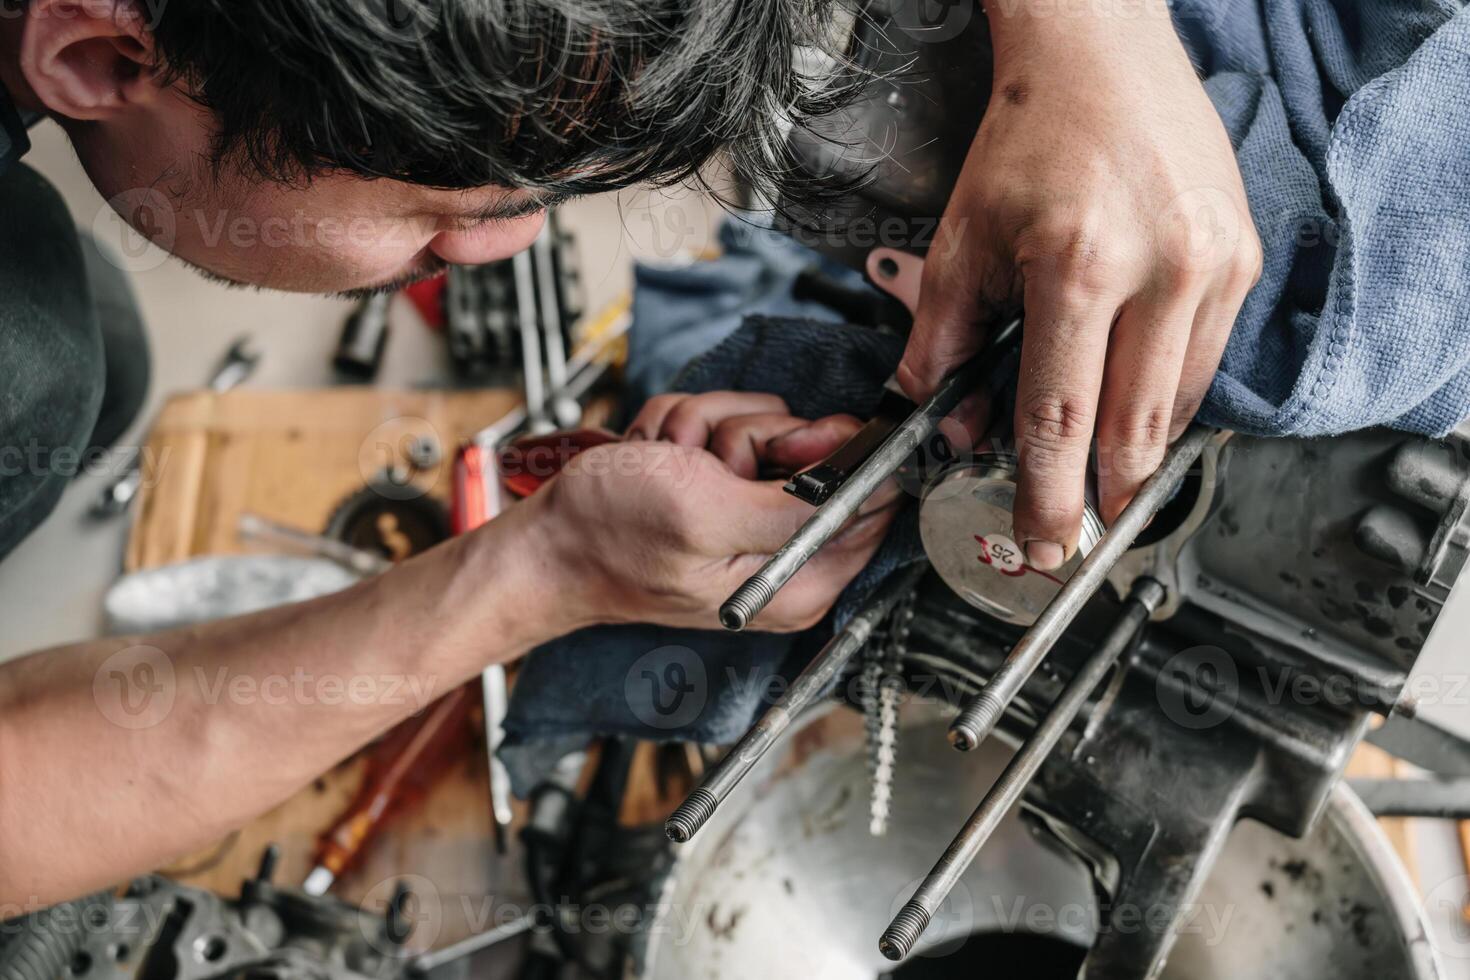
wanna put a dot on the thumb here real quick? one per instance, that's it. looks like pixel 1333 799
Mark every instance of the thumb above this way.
pixel 760 517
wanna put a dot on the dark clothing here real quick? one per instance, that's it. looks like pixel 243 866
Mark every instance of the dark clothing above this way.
pixel 73 354
pixel 14 143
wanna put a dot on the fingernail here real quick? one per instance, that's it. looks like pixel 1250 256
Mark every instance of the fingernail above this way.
pixel 637 435
pixel 1044 555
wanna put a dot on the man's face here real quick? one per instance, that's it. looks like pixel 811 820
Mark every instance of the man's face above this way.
pixel 336 233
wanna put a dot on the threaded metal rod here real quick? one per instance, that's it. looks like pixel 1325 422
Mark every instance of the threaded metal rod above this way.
pixel 981 714
pixel 904 931
pixel 746 601
pixel 899 939
pixel 692 814
pixel 725 775
pixel 828 519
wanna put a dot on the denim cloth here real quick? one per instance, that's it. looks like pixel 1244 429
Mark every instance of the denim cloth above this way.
pixel 680 312
pixel 14 141
pixel 1351 123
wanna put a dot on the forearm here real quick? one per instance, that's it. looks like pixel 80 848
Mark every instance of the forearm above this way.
pixel 121 754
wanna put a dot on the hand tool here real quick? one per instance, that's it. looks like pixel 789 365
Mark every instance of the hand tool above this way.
pixel 846 500
pixel 477 500
pixel 584 370
pixel 472 328
pixel 914 917
pixel 1463 828
pixel 980 715
pixel 415 752
pixel 429 962
pixel 817 484
pixel 534 382
pixel 253 527
pixel 400 770
pixel 238 364
pixel 359 352
pixel 722 778
pixel 525 464
pixel 564 410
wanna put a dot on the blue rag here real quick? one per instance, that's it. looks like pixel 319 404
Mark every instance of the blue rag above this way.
pixel 1351 123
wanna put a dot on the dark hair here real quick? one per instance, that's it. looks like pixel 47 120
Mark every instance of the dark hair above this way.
pixel 570 96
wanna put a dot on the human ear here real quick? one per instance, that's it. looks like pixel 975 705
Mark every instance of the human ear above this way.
pixel 88 59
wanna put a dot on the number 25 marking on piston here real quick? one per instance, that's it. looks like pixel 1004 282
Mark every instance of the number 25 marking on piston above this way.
pixel 1002 555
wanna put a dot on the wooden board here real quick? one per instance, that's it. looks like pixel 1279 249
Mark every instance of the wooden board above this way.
pixel 292 456
pixel 287 455
pixel 1371 762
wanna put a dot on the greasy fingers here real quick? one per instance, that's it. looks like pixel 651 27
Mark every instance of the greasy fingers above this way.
pixel 966 286
pixel 650 419
pixel 1101 190
pixel 1141 387
pixel 777 444
pixel 1062 356
pixel 1212 324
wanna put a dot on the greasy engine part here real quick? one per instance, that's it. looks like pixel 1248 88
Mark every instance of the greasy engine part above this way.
pixel 981 712
pixel 1301 577
pixel 364 338
pixel 1279 638
pixel 579 856
pixel 881 693
pixel 1241 699
pixel 786 882
pixel 899 939
pixel 160 930
pixel 722 778
pixel 45 944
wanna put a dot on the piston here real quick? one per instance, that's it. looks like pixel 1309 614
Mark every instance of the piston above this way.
pixel 965 522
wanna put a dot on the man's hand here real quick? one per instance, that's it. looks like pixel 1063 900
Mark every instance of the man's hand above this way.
pixel 1102 196
pixel 664 527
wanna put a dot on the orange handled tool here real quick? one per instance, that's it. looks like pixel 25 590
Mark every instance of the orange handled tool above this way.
pixel 411 757
pixel 401 769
